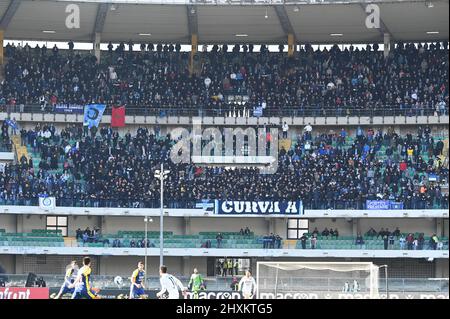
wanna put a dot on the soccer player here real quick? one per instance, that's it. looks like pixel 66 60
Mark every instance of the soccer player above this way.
pixel 137 282
pixel 195 283
pixel 169 285
pixel 82 283
pixel 247 285
pixel 69 278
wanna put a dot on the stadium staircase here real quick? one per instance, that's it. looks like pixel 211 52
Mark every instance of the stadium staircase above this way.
pixel 70 242
pixel 2 68
pixel 19 149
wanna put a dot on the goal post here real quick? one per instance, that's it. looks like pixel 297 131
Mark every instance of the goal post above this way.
pixel 331 280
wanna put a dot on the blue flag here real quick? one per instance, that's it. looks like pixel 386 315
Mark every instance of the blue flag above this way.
pixel 12 123
pixel 258 111
pixel 93 114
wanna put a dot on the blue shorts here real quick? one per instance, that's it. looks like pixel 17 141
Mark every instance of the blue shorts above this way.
pixel 67 290
pixel 137 292
pixel 83 294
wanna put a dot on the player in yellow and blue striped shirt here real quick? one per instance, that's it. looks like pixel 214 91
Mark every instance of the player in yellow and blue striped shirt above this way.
pixel 82 283
pixel 137 282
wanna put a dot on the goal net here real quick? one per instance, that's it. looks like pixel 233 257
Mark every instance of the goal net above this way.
pixel 330 280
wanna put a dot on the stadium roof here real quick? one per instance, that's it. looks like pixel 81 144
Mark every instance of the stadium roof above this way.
pixel 225 21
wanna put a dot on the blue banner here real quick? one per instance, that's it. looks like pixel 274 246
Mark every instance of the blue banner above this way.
pixel 258 111
pixel 383 205
pixel 69 108
pixel 205 204
pixel 259 207
pixel 395 205
pixel 93 114
pixel 12 123
pixel 377 204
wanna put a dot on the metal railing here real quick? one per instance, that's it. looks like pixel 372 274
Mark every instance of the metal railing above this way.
pixel 269 111
pixel 224 283
pixel 175 204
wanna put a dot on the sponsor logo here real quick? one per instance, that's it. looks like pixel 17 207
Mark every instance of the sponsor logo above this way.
pixel 305 295
pixel 24 293
pixel 215 295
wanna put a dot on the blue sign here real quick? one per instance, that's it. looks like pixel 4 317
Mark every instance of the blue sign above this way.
pixel 259 207
pixel 69 108
pixel 395 205
pixel 377 204
pixel 383 205
pixel 205 204
pixel 93 114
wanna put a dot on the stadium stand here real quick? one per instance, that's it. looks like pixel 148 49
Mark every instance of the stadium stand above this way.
pixel 374 154
pixel 325 170
pixel 335 82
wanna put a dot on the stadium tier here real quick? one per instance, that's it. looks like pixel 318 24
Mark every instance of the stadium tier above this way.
pixel 335 82
pixel 136 239
pixel 329 170
pixel 320 171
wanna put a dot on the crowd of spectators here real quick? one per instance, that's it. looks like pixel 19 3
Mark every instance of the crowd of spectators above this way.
pixel 103 169
pixel 410 242
pixel 272 241
pixel 413 80
pixel 88 235
pixel 5 140
pixel 227 267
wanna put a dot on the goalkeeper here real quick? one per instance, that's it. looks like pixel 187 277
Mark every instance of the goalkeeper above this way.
pixel 196 283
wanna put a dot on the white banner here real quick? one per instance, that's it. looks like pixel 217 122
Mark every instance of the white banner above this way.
pixel 47 202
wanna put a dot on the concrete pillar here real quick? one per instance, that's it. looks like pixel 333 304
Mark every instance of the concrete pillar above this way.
pixel 355 227
pixel 97 40
pixel 1 46
pixel 194 49
pixel 187 226
pixel 186 265
pixel 19 224
pixel 102 224
pixel 270 225
pixel 387 44
pixel 18 264
pixel 291 44
pixel 439 227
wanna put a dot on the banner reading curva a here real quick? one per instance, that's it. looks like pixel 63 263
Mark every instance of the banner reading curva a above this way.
pixel 259 207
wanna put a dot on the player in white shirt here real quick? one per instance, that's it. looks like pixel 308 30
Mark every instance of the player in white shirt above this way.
pixel 247 285
pixel 169 285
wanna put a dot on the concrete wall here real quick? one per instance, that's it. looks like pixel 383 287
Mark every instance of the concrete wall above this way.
pixel 442 270
pixel 8 222
pixel 124 266
pixel 257 225
pixel 445 226
pixel 425 225
pixel 260 226
pixel 7 262
pixel 114 224
pixel 344 227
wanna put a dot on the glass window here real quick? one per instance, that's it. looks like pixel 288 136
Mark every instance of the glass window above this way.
pixel 296 228
pixel 292 223
pixel 58 223
pixel 62 221
pixel 303 223
pixel 51 220
pixel 292 234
